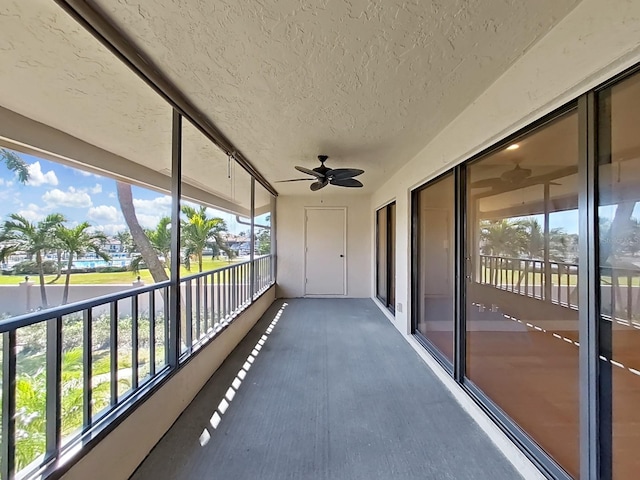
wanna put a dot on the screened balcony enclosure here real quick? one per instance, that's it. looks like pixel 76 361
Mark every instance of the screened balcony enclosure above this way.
pixel 177 302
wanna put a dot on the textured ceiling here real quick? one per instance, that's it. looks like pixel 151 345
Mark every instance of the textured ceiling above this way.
pixel 53 71
pixel 368 83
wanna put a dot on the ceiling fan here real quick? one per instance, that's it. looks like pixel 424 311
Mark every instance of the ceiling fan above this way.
pixel 323 176
pixel 513 176
pixel 519 177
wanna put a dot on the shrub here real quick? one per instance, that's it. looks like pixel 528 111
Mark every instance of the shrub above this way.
pixel 111 269
pixel 29 267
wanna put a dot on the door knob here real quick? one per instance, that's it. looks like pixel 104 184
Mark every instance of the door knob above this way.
pixel 341 256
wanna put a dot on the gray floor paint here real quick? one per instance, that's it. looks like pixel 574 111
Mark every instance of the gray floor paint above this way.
pixel 335 393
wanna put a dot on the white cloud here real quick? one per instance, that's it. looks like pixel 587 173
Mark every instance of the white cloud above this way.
pixel 157 206
pixel 1 181
pixel 33 213
pixel 9 183
pixel 71 198
pixel 111 228
pixel 111 195
pixel 37 177
pixel 86 174
pixel 104 214
pixel 96 189
pixel 148 221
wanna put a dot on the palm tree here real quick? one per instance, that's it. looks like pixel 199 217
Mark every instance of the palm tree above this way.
pixel 142 243
pixel 20 235
pixel 14 163
pixel 535 244
pixel 126 242
pixel 198 231
pixel 160 240
pixel 503 237
pixel 77 241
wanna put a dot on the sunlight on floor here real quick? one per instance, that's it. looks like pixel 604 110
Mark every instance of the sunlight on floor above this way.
pixel 224 404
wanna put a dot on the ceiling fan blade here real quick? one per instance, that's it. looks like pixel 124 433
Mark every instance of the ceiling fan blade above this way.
pixel 346 182
pixel 487 182
pixel 516 174
pixel 295 180
pixel 315 186
pixel 308 171
pixel 549 177
pixel 342 173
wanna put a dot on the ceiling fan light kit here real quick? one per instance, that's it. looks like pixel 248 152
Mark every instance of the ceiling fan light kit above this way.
pixel 323 176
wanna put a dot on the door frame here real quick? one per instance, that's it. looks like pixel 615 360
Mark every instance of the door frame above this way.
pixel 390 250
pixel 344 249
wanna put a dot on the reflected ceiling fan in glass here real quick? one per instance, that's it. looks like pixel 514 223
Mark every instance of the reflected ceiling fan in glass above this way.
pixel 519 177
pixel 322 176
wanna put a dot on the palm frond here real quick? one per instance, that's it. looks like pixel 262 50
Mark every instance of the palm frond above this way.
pixel 14 163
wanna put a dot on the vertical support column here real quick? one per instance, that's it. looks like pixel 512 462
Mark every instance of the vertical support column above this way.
pixel 87 367
pixel 176 193
pixel 390 252
pixel 462 273
pixel 113 351
pixel 274 241
pixel 8 404
pixel 152 333
pixel 134 343
pixel 591 465
pixel 53 390
pixel 416 285
pixel 253 240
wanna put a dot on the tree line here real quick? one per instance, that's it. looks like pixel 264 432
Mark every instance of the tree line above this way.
pixel 198 232
pixel 517 238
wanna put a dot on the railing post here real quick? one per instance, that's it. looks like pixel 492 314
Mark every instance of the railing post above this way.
pixel 176 192
pixel 205 297
pixel 547 263
pixel 189 317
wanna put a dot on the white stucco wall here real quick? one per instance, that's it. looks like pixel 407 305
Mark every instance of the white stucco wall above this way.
pixel 290 238
pixel 594 42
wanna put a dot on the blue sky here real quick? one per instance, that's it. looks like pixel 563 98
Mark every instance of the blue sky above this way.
pixel 80 196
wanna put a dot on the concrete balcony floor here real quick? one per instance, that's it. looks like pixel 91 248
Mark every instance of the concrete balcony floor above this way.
pixel 328 390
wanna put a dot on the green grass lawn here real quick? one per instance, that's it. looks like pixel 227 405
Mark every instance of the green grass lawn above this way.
pixel 512 276
pixel 113 277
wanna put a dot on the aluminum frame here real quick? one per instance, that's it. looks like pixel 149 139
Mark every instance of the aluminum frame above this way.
pixel 390 248
pixel 106 32
pixel 445 362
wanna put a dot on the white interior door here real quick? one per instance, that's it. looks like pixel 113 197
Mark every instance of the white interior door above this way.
pixel 325 251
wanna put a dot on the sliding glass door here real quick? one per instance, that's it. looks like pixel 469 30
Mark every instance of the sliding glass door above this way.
pixel 619 246
pixel 434 264
pixel 521 289
pixel 526 282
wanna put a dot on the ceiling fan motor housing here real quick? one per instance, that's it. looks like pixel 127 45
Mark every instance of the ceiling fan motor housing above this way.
pixel 323 175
